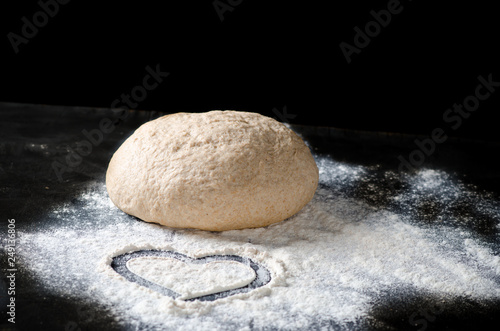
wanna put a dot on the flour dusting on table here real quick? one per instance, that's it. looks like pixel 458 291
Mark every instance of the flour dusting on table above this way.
pixel 330 264
pixel 192 280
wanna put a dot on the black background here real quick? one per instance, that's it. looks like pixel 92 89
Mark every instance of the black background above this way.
pixel 263 55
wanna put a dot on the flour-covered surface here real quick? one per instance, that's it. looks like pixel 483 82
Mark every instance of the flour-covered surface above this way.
pixel 374 249
pixel 192 280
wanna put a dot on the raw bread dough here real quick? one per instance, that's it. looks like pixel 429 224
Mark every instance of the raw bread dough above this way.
pixel 220 170
pixel 192 280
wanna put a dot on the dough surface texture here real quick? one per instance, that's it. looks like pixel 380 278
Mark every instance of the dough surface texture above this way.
pixel 220 170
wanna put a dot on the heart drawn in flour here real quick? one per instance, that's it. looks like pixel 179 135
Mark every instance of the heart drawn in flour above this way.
pixel 181 277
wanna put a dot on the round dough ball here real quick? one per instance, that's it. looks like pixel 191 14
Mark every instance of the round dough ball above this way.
pixel 220 170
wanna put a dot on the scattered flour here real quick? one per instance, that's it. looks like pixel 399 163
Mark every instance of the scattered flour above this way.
pixel 329 264
pixel 192 280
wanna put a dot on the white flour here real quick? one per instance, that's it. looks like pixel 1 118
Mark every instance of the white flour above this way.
pixel 192 280
pixel 331 262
